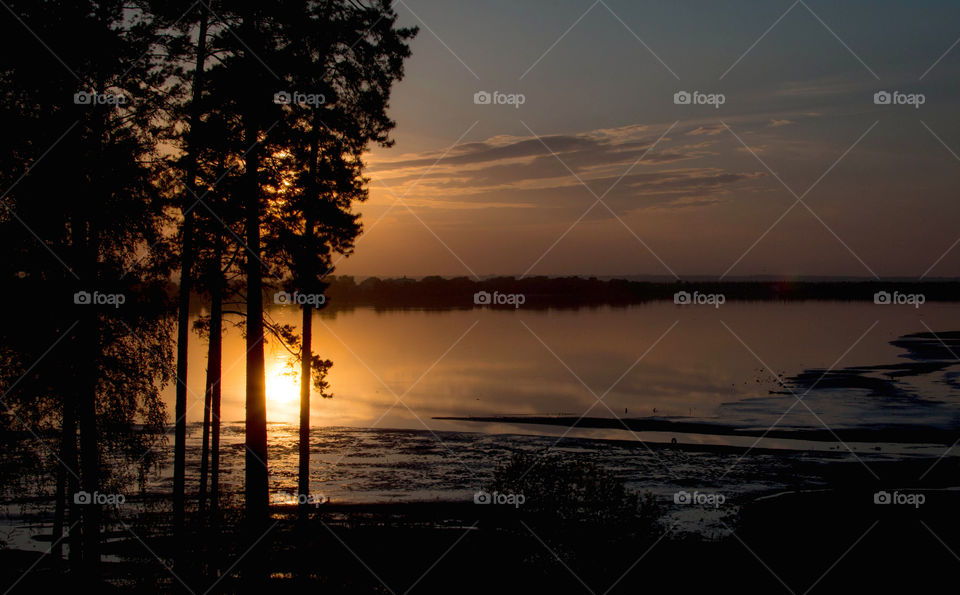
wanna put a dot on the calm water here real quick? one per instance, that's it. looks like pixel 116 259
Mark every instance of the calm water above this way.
pixel 399 369
pixel 376 441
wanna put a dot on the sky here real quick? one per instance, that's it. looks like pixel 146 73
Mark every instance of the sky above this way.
pixel 787 165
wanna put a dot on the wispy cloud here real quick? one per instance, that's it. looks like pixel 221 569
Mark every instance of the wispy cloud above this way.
pixel 517 171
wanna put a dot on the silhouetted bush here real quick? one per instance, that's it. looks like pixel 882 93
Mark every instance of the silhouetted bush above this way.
pixel 573 492
pixel 582 513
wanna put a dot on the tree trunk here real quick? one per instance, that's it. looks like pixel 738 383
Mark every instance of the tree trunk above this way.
pixel 205 445
pixel 303 491
pixel 307 339
pixel 59 508
pixel 85 243
pixel 180 408
pixel 214 366
pixel 90 451
pixel 183 319
pixel 256 496
pixel 214 370
pixel 67 484
pixel 70 460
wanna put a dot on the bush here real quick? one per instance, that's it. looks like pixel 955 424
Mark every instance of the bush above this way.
pixel 573 492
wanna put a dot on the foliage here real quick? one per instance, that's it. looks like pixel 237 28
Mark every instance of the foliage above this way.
pixel 572 491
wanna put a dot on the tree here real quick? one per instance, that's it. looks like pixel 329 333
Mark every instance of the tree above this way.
pixel 345 59
pixel 94 217
pixel 187 208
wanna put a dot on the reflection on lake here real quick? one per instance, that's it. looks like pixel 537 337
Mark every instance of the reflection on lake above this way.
pixel 377 441
pixel 399 369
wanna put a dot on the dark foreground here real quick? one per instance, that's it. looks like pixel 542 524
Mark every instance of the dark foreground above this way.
pixel 826 541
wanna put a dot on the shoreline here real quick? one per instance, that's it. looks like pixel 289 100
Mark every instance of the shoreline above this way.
pixel 371 547
pixel 890 434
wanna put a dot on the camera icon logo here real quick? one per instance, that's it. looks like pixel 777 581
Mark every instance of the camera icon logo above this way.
pixel 882 297
pixel 682 298
pixel 682 98
pixel 882 497
pixel 482 298
pixel 82 297
pixel 482 497
pixel 482 98
pixel 83 98
pixel 682 497
pixel 82 497
pixel 882 98
pixel 282 98
pixel 282 297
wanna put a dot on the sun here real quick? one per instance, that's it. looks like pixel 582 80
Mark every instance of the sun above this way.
pixel 282 385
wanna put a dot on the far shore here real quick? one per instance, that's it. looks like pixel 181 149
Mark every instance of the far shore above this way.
pixel 462 293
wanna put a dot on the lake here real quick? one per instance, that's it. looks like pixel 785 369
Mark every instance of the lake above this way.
pixel 376 440
pixel 394 371
pixel 401 368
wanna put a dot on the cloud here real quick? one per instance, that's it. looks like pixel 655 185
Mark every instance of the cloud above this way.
pixel 707 130
pixel 561 171
pixel 775 123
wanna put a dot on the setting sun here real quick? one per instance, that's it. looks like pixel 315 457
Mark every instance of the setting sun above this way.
pixel 283 383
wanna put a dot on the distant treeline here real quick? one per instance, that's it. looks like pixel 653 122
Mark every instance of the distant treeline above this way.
pixel 571 292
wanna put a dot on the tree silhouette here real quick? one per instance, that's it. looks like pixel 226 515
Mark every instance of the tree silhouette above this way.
pixel 188 208
pixel 169 152
pixel 343 60
pixel 95 210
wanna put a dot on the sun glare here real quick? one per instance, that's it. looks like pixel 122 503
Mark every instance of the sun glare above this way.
pixel 282 386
